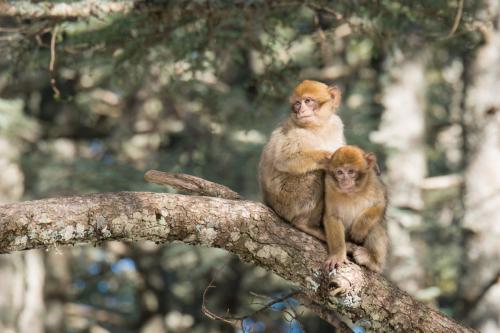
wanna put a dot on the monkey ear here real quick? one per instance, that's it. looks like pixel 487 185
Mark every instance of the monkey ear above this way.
pixel 371 159
pixel 336 95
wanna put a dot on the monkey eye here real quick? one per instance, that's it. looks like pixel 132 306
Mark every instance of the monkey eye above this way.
pixel 351 171
pixel 339 172
pixel 308 100
pixel 296 106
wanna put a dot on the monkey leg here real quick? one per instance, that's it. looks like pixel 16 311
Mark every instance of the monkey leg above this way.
pixel 309 221
pixel 365 222
pixel 350 247
pixel 313 231
pixel 373 253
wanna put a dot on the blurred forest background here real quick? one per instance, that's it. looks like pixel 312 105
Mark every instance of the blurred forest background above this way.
pixel 197 87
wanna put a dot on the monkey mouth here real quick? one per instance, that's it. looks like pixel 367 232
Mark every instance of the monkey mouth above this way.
pixel 347 189
pixel 304 116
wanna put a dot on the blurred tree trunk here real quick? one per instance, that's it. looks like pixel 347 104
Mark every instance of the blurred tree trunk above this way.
pixel 21 305
pixel 480 287
pixel 32 312
pixel 57 289
pixel 21 274
pixel 153 295
pixel 402 133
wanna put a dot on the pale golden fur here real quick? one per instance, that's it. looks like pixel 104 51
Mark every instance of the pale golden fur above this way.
pixel 292 164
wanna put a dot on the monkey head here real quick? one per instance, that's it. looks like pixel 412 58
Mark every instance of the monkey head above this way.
pixel 313 102
pixel 350 167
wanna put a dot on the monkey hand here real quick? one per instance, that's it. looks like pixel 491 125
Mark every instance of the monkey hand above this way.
pixel 326 157
pixel 335 260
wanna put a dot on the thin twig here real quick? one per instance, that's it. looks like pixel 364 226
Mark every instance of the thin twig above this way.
pixel 53 48
pixel 236 321
pixel 57 93
pixel 458 17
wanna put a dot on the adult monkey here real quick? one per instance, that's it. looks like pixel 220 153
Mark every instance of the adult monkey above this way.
pixel 292 164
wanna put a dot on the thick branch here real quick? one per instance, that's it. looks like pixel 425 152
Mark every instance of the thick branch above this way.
pixel 27 9
pixel 83 9
pixel 248 229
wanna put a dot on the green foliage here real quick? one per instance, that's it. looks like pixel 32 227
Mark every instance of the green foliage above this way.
pixel 197 87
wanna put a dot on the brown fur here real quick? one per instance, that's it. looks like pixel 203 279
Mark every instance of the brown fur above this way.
pixel 357 216
pixel 292 164
pixel 350 155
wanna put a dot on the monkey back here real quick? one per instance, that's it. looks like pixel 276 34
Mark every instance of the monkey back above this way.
pixel 295 198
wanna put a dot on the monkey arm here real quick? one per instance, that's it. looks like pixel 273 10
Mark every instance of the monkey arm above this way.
pixel 365 222
pixel 335 236
pixel 304 161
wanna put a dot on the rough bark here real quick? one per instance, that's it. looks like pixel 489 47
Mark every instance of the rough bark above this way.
pixel 190 184
pixel 84 9
pixel 246 228
pixel 28 9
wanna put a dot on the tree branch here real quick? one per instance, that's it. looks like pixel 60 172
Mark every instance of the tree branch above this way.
pixel 84 9
pixel 248 229
pixel 28 9
pixel 191 184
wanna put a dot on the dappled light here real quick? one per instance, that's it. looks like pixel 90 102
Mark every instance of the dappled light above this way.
pixel 130 139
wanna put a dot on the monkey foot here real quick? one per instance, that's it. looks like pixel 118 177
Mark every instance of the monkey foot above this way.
pixel 363 257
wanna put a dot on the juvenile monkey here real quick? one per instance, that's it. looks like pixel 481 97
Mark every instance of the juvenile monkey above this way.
pixel 355 204
pixel 292 164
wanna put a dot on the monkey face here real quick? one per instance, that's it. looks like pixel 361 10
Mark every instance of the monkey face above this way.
pixel 346 177
pixel 349 167
pixel 313 103
pixel 304 110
